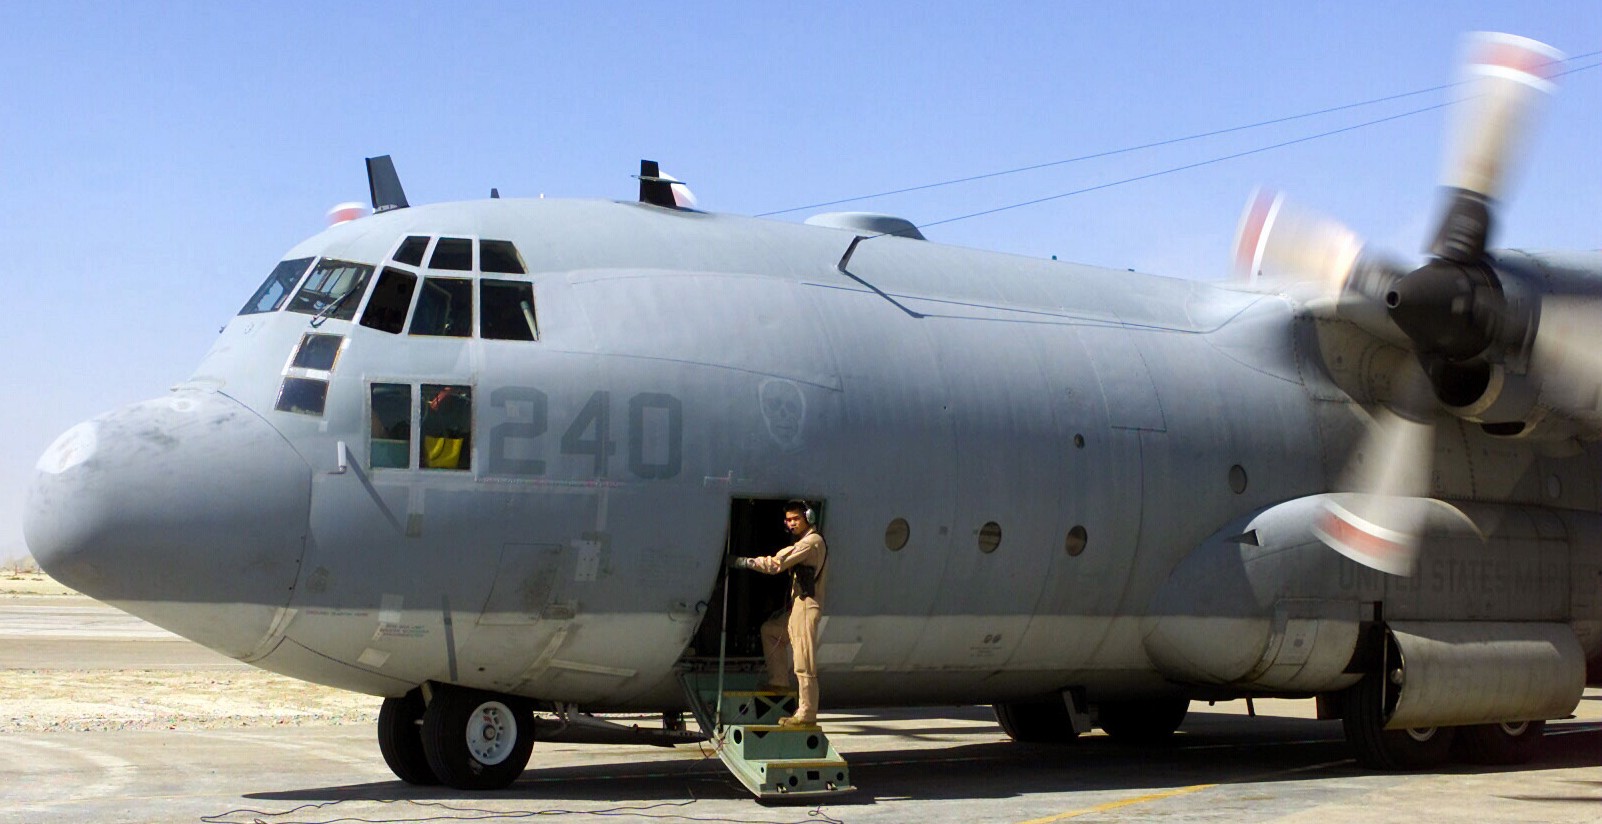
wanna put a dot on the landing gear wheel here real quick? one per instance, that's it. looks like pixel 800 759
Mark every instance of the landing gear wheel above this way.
pixel 1506 743
pixel 400 739
pixel 1142 722
pixel 1036 722
pixel 476 740
pixel 1363 718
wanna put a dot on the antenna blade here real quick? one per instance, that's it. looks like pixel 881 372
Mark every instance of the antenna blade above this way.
pixel 653 189
pixel 385 185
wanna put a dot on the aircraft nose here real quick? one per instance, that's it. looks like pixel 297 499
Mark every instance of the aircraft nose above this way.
pixel 189 511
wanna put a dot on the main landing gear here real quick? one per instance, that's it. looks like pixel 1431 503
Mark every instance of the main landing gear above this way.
pixel 1363 714
pixel 463 738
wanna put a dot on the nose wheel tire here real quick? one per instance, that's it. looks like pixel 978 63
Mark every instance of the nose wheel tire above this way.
pixel 400 739
pixel 475 740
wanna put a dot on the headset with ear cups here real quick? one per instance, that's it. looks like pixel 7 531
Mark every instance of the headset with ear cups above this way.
pixel 806 512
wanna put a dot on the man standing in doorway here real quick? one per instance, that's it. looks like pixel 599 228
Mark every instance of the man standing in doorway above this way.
pixel 804 560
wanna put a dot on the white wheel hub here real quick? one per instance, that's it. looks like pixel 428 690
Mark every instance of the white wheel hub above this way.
pixel 491 733
pixel 1422 734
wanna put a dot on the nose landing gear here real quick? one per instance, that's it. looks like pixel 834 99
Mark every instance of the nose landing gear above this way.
pixel 463 738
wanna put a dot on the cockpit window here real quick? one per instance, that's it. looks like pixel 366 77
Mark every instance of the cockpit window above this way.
pixel 411 251
pixel 455 253
pixel 304 396
pixel 390 444
pixel 447 425
pixel 270 297
pixel 507 310
pixel 499 256
pixel 445 308
pixel 386 309
pixel 317 352
pixel 332 289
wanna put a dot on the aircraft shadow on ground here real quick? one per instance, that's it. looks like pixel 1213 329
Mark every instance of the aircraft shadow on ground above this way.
pixel 1210 749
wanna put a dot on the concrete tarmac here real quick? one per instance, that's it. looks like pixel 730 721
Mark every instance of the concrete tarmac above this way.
pixel 938 765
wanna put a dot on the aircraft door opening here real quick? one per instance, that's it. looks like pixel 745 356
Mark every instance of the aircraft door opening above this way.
pixel 756 528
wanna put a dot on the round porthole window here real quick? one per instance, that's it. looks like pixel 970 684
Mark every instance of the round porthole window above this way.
pixel 989 537
pixel 1237 479
pixel 1075 542
pixel 896 534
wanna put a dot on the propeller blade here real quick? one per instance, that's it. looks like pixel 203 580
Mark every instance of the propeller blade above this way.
pixel 1277 243
pixel 1380 522
pixel 1508 78
pixel 1384 532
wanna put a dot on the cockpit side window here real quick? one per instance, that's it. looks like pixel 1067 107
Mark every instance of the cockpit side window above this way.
pixel 282 280
pixel 411 251
pixel 507 310
pixel 447 427
pixel 500 257
pixel 386 309
pixel 455 253
pixel 390 444
pixel 445 308
pixel 317 352
pixel 332 289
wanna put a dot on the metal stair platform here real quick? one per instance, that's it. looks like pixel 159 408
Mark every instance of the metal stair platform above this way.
pixel 774 762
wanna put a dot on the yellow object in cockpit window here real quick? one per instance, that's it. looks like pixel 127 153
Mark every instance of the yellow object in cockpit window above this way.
pixel 442 453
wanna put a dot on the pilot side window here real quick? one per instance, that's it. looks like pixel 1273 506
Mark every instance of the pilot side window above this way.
pixel 386 310
pixel 444 308
pixel 506 310
pixel 391 440
pixel 447 427
pixel 282 280
pixel 332 289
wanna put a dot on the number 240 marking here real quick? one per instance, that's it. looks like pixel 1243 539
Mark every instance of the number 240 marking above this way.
pixel 653 416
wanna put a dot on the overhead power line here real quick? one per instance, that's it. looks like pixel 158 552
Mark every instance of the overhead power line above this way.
pixel 1172 141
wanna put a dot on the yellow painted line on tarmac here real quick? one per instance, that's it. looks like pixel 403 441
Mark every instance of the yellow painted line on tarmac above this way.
pixel 1113 805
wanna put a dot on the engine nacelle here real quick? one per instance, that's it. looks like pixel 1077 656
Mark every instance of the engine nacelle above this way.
pixel 1258 605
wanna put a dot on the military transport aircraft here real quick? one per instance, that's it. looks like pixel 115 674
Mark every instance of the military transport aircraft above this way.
pixel 487 460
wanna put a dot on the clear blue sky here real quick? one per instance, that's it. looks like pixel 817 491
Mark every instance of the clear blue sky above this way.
pixel 157 158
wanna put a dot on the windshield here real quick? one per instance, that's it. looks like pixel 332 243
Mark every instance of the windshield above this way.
pixel 277 287
pixel 332 282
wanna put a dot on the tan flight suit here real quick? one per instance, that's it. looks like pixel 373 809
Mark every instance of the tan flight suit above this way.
pixel 800 629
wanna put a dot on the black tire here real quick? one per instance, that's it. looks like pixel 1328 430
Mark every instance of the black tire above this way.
pixel 476 740
pixel 1036 722
pixel 1512 743
pixel 1363 718
pixel 400 739
pixel 1142 722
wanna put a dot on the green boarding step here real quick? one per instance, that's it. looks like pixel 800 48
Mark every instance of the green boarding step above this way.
pixel 773 762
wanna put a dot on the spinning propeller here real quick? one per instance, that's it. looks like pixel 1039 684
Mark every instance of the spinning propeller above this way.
pixel 1466 324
